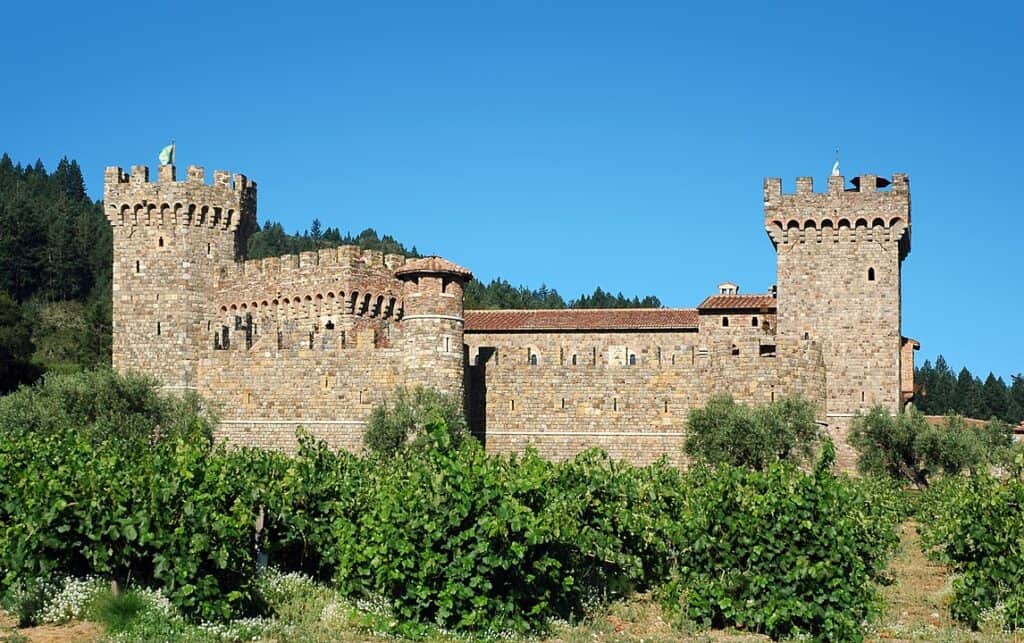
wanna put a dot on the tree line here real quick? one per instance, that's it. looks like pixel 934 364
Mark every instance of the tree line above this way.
pixel 941 392
pixel 55 266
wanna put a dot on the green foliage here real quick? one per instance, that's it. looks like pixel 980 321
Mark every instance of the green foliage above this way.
pixel 943 393
pixel 906 447
pixel 15 346
pixel 780 551
pixel 99 475
pixel 499 294
pixel 976 527
pixel 273 241
pixel 402 420
pixel 724 432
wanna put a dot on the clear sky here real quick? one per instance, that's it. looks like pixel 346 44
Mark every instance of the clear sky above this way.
pixel 578 144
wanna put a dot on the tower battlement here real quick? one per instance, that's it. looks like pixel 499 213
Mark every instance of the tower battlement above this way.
pixel 876 208
pixel 131 199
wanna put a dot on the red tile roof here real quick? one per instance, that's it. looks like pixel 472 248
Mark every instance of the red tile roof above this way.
pixel 482 321
pixel 437 265
pixel 737 302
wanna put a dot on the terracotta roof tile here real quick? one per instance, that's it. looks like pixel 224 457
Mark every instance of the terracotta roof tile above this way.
pixel 433 265
pixel 737 302
pixel 482 321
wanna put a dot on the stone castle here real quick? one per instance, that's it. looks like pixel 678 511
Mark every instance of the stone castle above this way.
pixel 318 339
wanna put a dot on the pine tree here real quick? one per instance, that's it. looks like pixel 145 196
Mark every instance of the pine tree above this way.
pixel 1015 412
pixel 969 402
pixel 943 391
pixel 995 397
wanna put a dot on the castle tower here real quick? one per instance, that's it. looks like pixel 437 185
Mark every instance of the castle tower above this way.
pixel 171 241
pixel 432 322
pixel 839 261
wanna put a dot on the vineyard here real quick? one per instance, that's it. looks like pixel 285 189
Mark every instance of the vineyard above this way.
pixel 104 480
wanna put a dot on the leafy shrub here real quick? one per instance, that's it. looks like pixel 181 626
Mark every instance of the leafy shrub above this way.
pixel 402 420
pixel 976 527
pixel 724 432
pixel 780 551
pixel 906 447
pixel 100 475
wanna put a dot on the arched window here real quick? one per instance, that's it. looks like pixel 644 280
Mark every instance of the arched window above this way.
pixel 725 321
pixel 632 359
pixel 753 321
pixel 161 242
pixel 871 274
pixel 533 359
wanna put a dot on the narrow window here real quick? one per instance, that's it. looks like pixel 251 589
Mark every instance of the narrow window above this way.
pixel 513 405
pixel 632 359
pixel 280 339
pixel 725 321
pixel 862 396
pixel 666 406
pixel 574 359
pixel 615 404
pixel 138 266
pixel 595 356
pixel 773 396
pixel 533 360
pixel 158 328
pixel 753 322
pixel 329 325
pixel 310 340
pixel 208 250
pixel 563 402
pixel 871 274
pixel 735 349
pixel 161 242
pixel 447 344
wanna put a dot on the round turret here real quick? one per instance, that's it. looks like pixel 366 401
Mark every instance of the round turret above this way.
pixel 432 321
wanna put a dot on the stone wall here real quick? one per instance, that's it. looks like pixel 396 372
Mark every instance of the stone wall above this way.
pixel 634 412
pixel 263 395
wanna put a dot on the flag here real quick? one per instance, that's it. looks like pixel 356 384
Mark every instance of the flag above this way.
pixel 167 155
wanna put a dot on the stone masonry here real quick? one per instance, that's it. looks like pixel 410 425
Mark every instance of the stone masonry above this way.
pixel 317 340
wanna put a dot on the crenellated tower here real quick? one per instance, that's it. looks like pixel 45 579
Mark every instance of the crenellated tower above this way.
pixel 433 322
pixel 839 261
pixel 172 240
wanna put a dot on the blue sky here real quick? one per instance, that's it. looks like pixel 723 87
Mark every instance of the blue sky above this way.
pixel 578 144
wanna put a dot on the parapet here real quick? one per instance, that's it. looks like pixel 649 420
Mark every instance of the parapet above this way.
pixel 340 256
pixel 872 203
pixel 131 199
